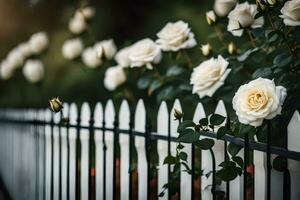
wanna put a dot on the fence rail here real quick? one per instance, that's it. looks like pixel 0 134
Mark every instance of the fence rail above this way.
pixel 92 156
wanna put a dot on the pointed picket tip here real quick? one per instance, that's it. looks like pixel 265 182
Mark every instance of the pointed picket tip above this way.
pixel 162 119
pixel 140 116
pixel 199 113
pixel 109 114
pixel 48 115
pixel 98 115
pixel 124 115
pixel 85 114
pixel 220 109
pixel 293 132
pixel 73 114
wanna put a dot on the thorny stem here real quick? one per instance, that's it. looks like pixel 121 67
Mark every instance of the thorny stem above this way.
pixel 220 35
pixel 190 63
pixel 251 38
pixel 283 35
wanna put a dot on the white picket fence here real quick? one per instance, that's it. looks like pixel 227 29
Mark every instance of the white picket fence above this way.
pixel 16 152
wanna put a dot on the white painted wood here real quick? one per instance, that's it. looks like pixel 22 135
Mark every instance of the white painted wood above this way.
pixel 72 151
pixel 124 118
pixel 162 148
pixel 259 159
pixel 64 155
pixel 56 156
pixel 276 182
pixel 84 138
pixel 98 118
pixel 109 141
pixel 48 115
pixel 139 125
pixel 294 145
pixel 41 134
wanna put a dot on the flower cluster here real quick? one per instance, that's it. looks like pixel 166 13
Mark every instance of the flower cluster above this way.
pixel 25 54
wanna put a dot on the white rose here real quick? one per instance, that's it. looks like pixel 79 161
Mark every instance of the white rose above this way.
pixel 39 42
pixel 114 76
pixel 223 7
pixel 90 58
pixel 291 13
pixel 209 76
pixel 15 58
pixel 122 57
pixel 87 12
pixel 77 24
pixel 107 48
pixel 211 17
pixel 33 71
pixel 176 36
pixel 144 52
pixel 6 70
pixel 72 48
pixel 242 16
pixel 258 100
pixel 25 49
pixel 206 49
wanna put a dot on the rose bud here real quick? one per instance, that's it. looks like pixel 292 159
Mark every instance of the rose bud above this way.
pixel 211 17
pixel 177 114
pixel 261 5
pixel 231 48
pixel 206 49
pixel 55 105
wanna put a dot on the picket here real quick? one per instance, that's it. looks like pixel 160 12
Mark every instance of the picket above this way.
pixel 162 148
pixel 56 156
pixel 140 125
pixel 109 141
pixel 293 145
pixel 64 155
pixel 84 138
pixel 99 146
pixel 72 151
pixel 124 118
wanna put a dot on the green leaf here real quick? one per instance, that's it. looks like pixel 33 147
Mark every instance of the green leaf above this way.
pixel 216 119
pixel 221 132
pixel 238 160
pixel 246 54
pixel 185 124
pixel 203 122
pixel 262 72
pixel 205 143
pixel 180 146
pixel 280 163
pixel 227 173
pixel 155 85
pixel 183 156
pixel 188 136
pixel 233 149
pixel 170 160
pixel 143 82
pixel 174 71
pixel 243 129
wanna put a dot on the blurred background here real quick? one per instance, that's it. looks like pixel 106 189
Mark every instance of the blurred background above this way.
pixel 125 21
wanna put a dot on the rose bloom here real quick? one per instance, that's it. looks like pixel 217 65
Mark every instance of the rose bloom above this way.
pixel 242 16
pixel 114 76
pixel 223 7
pixel 122 57
pixel 258 100
pixel 33 71
pixel 176 36
pixel 291 13
pixel 87 12
pixel 15 58
pixel 6 70
pixel 209 76
pixel 25 49
pixel 72 48
pixel 107 48
pixel 143 53
pixel 39 42
pixel 77 23
pixel 90 58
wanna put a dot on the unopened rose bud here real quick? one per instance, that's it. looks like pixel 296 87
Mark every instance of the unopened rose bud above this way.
pixel 271 2
pixel 231 48
pixel 206 49
pixel 55 105
pixel 261 5
pixel 177 114
pixel 211 17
